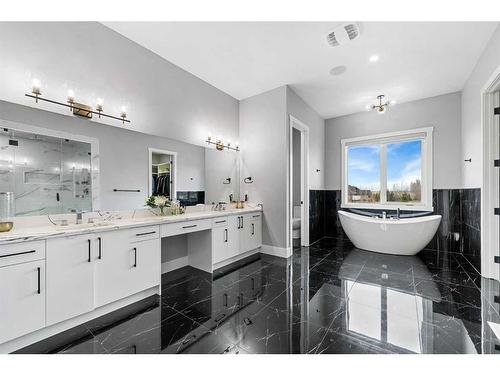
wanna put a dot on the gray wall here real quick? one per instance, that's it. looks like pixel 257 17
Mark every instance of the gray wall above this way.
pixel 161 98
pixel 264 134
pixel 487 64
pixel 123 155
pixel 304 113
pixel 442 112
pixel 264 157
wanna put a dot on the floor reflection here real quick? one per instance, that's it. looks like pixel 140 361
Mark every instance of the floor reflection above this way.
pixel 328 298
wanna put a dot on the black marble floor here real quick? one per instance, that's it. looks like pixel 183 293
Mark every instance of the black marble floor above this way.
pixel 327 298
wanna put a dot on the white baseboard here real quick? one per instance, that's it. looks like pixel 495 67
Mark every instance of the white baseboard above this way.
pixel 283 252
pixel 174 264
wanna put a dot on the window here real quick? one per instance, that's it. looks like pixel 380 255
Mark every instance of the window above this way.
pixel 387 171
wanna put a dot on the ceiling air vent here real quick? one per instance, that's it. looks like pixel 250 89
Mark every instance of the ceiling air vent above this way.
pixel 343 34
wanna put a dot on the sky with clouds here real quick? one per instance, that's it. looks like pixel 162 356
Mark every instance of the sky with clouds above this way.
pixel 404 165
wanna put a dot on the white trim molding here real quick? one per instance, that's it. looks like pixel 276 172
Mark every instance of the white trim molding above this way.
pixel 423 134
pixel 304 182
pixel 490 235
pixel 174 264
pixel 283 252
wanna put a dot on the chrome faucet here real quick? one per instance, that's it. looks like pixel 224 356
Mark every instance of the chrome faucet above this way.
pixel 384 215
pixel 398 214
pixel 79 218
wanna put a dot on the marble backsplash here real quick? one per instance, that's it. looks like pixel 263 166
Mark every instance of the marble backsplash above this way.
pixel 459 231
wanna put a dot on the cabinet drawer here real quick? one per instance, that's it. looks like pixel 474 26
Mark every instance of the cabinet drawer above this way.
pixel 21 252
pixel 255 216
pixel 144 233
pixel 219 222
pixel 185 227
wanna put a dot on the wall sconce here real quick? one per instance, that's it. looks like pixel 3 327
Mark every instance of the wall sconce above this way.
pixel 219 144
pixel 78 109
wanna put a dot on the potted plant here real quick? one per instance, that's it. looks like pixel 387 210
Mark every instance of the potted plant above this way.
pixel 159 201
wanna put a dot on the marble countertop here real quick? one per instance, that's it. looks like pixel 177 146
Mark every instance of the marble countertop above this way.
pixel 44 232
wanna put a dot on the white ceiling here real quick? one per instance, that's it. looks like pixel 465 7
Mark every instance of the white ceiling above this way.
pixel 417 60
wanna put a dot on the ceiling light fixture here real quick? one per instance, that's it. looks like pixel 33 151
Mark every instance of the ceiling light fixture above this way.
pixel 381 107
pixel 220 145
pixel 78 109
pixel 374 58
pixel 338 70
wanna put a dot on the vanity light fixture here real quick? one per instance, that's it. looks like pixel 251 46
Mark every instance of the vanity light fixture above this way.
pixel 78 109
pixel 381 107
pixel 220 145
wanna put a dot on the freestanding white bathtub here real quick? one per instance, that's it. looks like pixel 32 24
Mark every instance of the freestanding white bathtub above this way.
pixel 389 236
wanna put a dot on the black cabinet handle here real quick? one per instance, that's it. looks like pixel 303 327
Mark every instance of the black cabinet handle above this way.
pixel 225 299
pixel 253 229
pixel 145 234
pixel 100 247
pixel 253 283
pixel 254 216
pixel 241 222
pixel 38 276
pixel 225 234
pixel 239 226
pixel 190 226
pixel 90 245
pixel 220 222
pixel 135 256
pixel 14 254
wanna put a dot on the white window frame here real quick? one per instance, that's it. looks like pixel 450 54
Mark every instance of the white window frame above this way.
pixel 424 134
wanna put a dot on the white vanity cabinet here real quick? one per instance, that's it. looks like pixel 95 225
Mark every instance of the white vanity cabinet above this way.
pixel 126 262
pixel 70 277
pixel 237 235
pixel 22 289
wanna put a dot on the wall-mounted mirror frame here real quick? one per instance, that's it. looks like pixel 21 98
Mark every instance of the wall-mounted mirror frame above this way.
pixel 173 170
pixel 94 149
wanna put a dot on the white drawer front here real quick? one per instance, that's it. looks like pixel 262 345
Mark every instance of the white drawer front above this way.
pixel 219 222
pixel 144 233
pixel 175 229
pixel 21 252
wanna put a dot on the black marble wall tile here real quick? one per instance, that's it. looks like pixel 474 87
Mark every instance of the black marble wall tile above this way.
pixel 458 232
pixel 333 227
pixel 316 215
pixel 446 203
pixel 471 226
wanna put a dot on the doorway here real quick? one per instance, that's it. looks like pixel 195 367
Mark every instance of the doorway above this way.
pixel 162 173
pixel 298 208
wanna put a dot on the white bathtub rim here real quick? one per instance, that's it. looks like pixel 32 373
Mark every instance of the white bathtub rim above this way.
pixel 402 221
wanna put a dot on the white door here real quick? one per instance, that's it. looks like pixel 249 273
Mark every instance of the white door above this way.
pixel 220 239
pixel 255 231
pixel 22 299
pixel 234 233
pixel 70 277
pixel 145 265
pixel 112 266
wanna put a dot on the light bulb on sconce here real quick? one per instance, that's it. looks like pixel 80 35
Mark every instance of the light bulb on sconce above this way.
pixel 123 114
pixel 36 90
pixel 71 99
pixel 98 106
